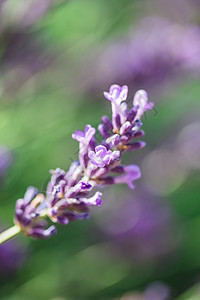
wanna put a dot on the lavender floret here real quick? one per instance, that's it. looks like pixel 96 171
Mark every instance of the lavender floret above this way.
pixel 28 215
pixel 102 157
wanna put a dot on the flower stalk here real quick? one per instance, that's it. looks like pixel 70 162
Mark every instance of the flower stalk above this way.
pixel 9 233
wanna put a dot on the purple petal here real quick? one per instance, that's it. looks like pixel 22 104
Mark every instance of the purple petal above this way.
pixel 113 140
pixel 136 146
pixel 104 131
pixel 116 93
pixel 106 121
pixel 126 127
pixel 101 149
pixel 106 159
pixel 30 194
pixel 95 200
pixel 78 135
pixel 132 173
pixel 140 98
pixel 89 132
pixel 63 220
pixel 149 106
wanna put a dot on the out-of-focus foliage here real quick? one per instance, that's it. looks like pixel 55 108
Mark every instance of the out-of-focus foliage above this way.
pixel 153 232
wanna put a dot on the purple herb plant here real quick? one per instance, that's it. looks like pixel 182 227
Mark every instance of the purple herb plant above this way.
pixel 69 194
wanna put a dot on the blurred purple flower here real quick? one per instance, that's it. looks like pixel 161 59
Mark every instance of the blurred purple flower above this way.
pixel 141 100
pixel 6 159
pixel 102 157
pixel 117 94
pixel 86 136
pixel 152 52
pixel 23 53
pixel 86 140
pixel 132 172
pixel 12 256
pixel 157 291
pixel 26 213
pixel 142 228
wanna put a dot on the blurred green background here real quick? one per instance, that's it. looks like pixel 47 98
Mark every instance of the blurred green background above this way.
pixel 54 61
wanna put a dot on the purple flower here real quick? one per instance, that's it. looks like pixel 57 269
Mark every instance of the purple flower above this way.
pixel 146 56
pixel 102 157
pixel 27 215
pixel 124 121
pixel 132 172
pixel 6 159
pixel 95 200
pixel 86 136
pixel 113 140
pixel 117 94
pixel 141 100
pixel 67 196
pixel 86 140
pixel 12 256
pixel 157 291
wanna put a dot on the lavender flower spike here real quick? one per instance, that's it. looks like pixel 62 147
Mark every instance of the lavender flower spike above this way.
pixel 68 193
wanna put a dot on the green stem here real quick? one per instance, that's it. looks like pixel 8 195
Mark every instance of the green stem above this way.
pixel 9 233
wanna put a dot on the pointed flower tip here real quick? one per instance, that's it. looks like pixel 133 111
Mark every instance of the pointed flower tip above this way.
pixel 94 200
pixel 85 136
pixel 50 231
pixel 98 200
pixel 140 98
pixel 116 93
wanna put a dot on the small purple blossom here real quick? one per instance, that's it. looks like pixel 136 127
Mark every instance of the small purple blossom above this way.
pixel 132 172
pixel 147 55
pixel 141 100
pixel 157 291
pixel 84 137
pixel 12 256
pixel 86 140
pixel 102 157
pixel 6 159
pixel 27 215
pixel 117 94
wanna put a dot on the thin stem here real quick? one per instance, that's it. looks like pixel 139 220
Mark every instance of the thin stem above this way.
pixel 9 233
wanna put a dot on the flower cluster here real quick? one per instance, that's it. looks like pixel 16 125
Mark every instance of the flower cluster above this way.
pixel 29 213
pixel 69 195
